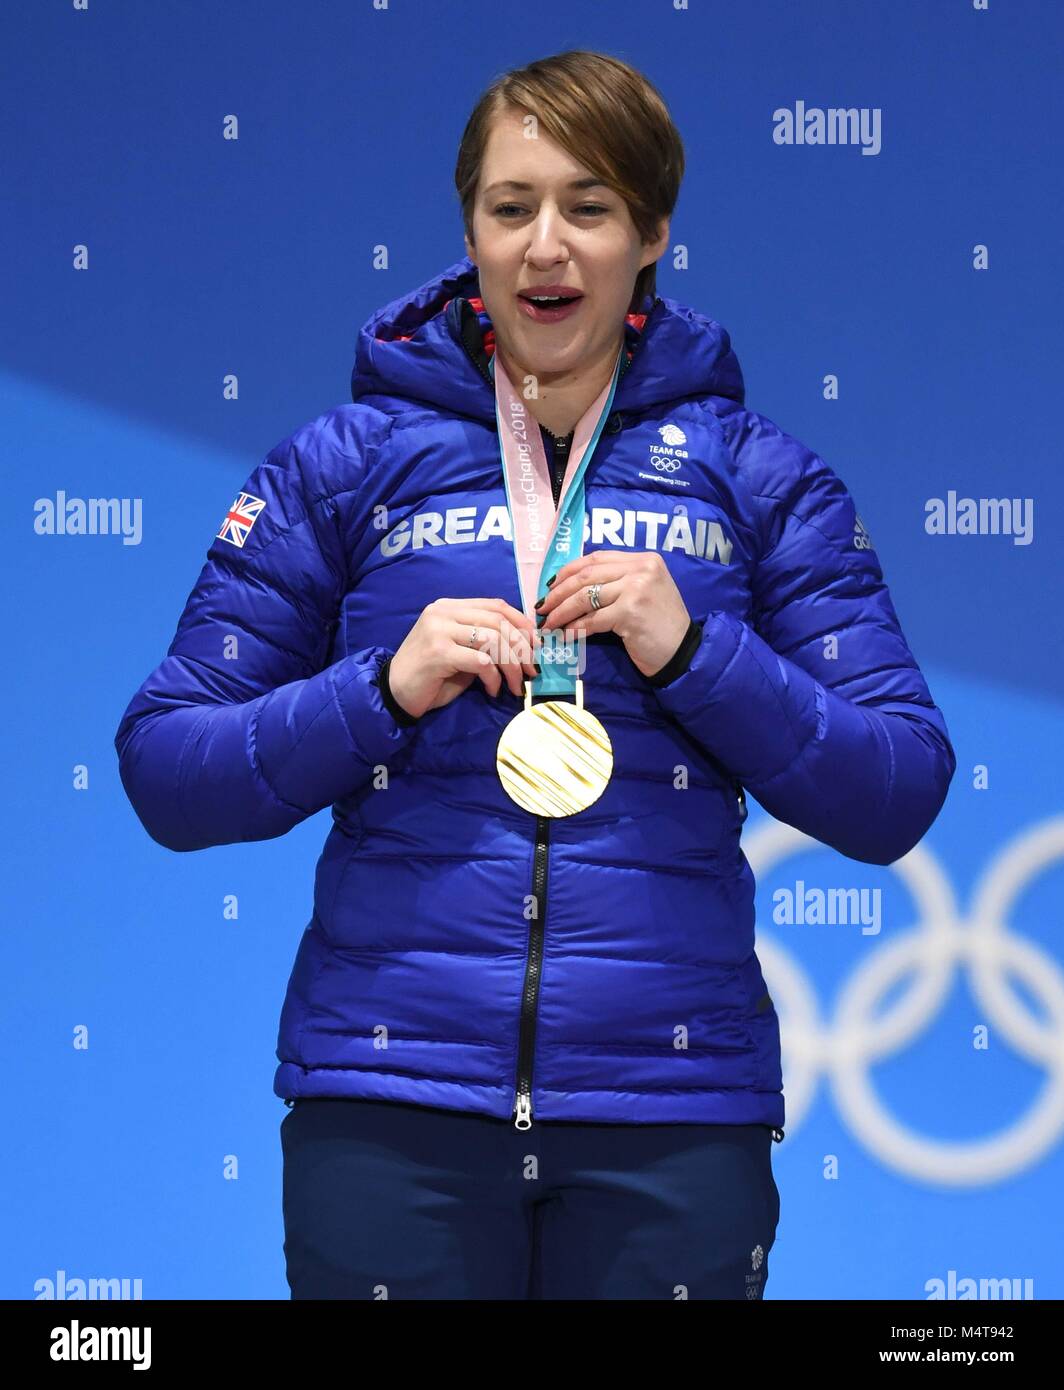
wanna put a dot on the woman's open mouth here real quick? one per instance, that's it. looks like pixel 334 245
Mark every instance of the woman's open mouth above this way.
pixel 549 308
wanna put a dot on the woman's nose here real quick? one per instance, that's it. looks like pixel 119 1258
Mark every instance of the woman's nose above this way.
pixel 547 242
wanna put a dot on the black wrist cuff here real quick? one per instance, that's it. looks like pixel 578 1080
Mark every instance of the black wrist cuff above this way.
pixel 391 704
pixel 681 659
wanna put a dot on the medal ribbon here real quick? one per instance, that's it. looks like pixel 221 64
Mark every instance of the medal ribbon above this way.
pixel 545 536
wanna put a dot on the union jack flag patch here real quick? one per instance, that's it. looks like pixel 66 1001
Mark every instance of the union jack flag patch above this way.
pixel 240 518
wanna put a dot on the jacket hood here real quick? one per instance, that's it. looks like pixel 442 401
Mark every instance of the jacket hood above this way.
pixel 412 349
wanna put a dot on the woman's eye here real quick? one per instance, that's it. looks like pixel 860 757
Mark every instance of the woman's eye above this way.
pixel 593 209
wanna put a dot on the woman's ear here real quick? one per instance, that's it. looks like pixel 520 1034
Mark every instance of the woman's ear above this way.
pixel 656 249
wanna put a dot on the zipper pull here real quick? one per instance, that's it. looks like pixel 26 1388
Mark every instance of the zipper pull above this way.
pixel 523 1109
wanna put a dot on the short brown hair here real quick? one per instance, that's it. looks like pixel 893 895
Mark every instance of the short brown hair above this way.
pixel 605 114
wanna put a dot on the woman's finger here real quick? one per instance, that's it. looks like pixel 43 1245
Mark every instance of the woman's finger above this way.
pixel 580 582
pixel 501 651
pixel 477 663
pixel 508 643
pixel 578 604
pixel 597 565
pixel 498 606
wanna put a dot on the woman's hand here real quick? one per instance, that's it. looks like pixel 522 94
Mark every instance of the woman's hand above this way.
pixel 639 598
pixel 435 661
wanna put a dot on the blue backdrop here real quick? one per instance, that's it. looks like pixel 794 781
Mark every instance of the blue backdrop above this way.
pixel 923 1054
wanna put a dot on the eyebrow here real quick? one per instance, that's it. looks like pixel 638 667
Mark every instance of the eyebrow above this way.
pixel 589 182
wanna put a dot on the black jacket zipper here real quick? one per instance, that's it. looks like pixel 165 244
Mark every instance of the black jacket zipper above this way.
pixel 526 1043
pixel 558 454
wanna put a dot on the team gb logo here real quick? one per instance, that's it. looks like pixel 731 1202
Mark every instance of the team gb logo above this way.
pixel 672 435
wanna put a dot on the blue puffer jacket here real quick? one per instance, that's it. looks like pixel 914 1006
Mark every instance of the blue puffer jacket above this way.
pixel 462 952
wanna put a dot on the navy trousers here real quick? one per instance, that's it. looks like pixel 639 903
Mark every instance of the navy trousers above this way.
pixel 384 1199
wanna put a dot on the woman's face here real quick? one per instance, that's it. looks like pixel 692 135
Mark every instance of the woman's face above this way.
pixel 552 234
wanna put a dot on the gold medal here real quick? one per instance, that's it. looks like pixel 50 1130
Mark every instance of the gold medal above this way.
pixel 554 758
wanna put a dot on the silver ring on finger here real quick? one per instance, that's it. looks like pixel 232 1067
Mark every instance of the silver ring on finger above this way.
pixel 593 595
pixel 473 637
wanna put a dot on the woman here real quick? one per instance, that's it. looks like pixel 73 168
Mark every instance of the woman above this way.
pixel 527 1041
